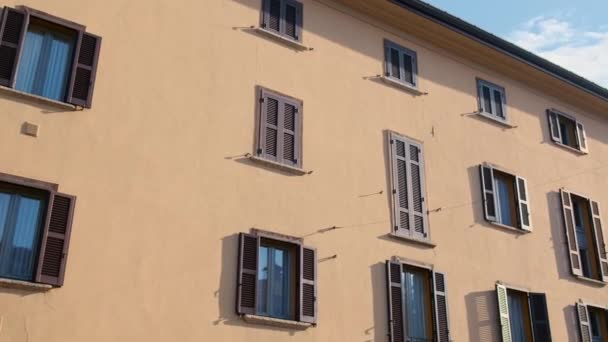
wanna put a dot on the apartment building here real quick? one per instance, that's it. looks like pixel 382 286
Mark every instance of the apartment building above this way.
pixel 293 170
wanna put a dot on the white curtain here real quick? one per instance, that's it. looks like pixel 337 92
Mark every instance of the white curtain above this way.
pixel 415 306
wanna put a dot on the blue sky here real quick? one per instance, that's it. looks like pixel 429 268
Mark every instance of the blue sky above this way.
pixel 573 34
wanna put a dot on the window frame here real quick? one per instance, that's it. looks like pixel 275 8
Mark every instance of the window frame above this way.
pixel 403 51
pixel 583 316
pixel 582 142
pixel 480 101
pixel 299 24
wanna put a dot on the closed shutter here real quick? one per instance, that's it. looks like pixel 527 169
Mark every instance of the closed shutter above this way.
pixel 556 134
pixel 523 204
pixel 503 310
pixel 485 99
pixel 84 70
pixel 440 301
pixel 488 192
pixel 55 239
pixel 599 239
pixel 583 322
pixel 247 274
pixel 395 302
pixel 581 137
pixel 568 214
pixel 416 170
pixel 12 31
pixel 540 317
pixel 308 285
pixel 293 19
pixel 401 207
pixel 499 104
pixel 289 121
pixel 271 15
pixel 392 62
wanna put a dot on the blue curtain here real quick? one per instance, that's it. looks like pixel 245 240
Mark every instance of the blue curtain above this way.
pixel 273 297
pixel 516 315
pixel 415 306
pixel 45 63
pixel 504 202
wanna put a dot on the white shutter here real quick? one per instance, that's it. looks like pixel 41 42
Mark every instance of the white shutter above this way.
pixel 503 309
pixel 523 204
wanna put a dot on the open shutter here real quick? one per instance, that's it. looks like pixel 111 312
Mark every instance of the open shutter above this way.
pixel 400 175
pixel 583 322
pixel 599 239
pixel 440 301
pixel 55 239
pixel 84 70
pixel 524 204
pixel 289 123
pixel 556 134
pixel 395 302
pixel 12 32
pixel 293 19
pixel 581 137
pixel 503 310
pixel 308 285
pixel 488 193
pixel 540 317
pixel 418 218
pixel 247 274
pixel 568 214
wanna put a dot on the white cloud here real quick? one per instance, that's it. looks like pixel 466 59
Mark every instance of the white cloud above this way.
pixel 577 49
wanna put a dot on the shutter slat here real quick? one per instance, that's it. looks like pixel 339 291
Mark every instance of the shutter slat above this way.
pixel 488 192
pixel 600 244
pixel 395 301
pixel 308 285
pixel 503 309
pixel 571 238
pixel 12 30
pixel 581 137
pixel 442 321
pixel 554 130
pixel 416 187
pixel 247 274
pixel 401 212
pixel 523 204
pixel 84 70
pixel 583 321
pixel 291 19
pixel 540 317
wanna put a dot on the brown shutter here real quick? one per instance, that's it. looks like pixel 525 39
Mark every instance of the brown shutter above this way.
pixel 539 317
pixel 55 239
pixel 395 302
pixel 440 300
pixel 599 239
pixel 84 69
pixel 308 285
pixel 583 321
pixel 269 127
pixel 488 193
pixel 247 274
pixel 568 214
pixel 12 31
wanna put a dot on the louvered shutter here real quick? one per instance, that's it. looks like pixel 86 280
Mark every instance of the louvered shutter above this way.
pixel 393 62
pixel 581 137
pixel 523 204
pixel 308 285
pixel 12 31
pixel 290 139
pixel 599 239
pixel 503 310
pixel 499 103
pixel 271 15
pixel 488 192
pixel 55 239
pixel 485 99
pixel 395 301
pixel 418 204
pixel 540 317
pixel 84 70
pixel 440 301
pixel 400 175
pixel 247 274
pixel 568 215
pixel 583 321
pixel 293 19
pixel 269 127
pixel 408 68
pixel 556 134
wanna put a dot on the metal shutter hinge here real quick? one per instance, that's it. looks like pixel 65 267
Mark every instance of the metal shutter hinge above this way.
pixel 392 141
pixel 394 191
pixel 259 151
pixel 261 100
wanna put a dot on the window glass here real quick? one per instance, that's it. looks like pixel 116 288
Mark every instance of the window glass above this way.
pixel 518 315
pixel 506 199
pixel 416 303
pixel 274 282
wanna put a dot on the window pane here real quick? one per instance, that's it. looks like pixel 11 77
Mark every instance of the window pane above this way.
pixel 274 285
pixel 4 203
pixel 262 291
pixel 516 315
pixel 505 200
pixel 582 238
pixel 416 298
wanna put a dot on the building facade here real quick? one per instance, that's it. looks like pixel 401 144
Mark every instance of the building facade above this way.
pixel 293 170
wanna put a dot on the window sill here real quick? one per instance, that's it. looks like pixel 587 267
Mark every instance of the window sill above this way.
pixel 38 99
pixel 513 229
pixel 281 39
pixel 283 167
pixel 23 285
pixel 495 119
pixel 426 243
pixel 570 148
pixel 590 280
pixel 276 322
pixel 405 87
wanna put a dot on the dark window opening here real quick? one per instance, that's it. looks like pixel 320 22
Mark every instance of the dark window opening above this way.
pixel 277 279
pixel 417 302
pixel 567 128
pixel 519 316
pixel 506 196
pixel 598 322
pixel 585 238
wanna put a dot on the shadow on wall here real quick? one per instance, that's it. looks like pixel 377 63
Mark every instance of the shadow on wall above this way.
pixel 379 331
pixel 558 235
pixel 482 312
pixel 571 323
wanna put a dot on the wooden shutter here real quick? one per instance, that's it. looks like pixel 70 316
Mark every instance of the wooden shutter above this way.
pixel 293 19
pixel 440 301
pixel 12 33
pixel 308 285
pixel 488 192
pixel 268 134
pixel 581 137
pixel 523 204
pixel 55 239
pixel 568 215
pixel 540 317
pixel 247 274
pixel 396 323
pixel 503 310
pixel 583 322
pixel 556 134
pixel 599 239
pixel 84 70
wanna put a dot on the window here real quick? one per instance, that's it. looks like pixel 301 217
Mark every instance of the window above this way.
pixel 583 224
pixel 277 277
pixel 418 310
pixel 593 323
pixel 505 198
pixel 35 225
pixel 407 180
pixel 492 100
pixel 566 131
pixel 279 137
pixel 47 56
pixel 523 315
pixel 401 64
pixel 283 17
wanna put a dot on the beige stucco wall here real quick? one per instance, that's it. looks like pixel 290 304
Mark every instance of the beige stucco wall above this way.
pixel 162 193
